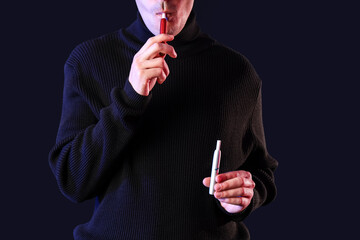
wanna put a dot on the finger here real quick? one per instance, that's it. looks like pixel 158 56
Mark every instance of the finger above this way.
pixel 237 192
pixel 152 83
pixel 156 63
pixel 206 181
pixel 151 74
pixel 154 50
pixel 229 175
pixel 236 182
pixel 241 201
pixel 153 63
pixel 156 39
pixel 166 72
pixel 166 68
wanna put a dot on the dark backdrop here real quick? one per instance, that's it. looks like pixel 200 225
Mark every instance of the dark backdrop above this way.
pixel 306 53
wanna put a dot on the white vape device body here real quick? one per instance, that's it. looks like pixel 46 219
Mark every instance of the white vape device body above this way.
pixel 215 166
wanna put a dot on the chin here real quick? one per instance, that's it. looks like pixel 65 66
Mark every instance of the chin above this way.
pixel 174 30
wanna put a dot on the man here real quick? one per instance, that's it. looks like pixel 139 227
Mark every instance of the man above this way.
pixel 140 139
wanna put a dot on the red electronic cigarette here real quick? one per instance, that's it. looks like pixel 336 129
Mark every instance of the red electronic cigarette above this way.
pixel 163 28
pixel 163 23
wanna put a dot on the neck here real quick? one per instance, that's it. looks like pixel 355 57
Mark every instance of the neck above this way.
pixel 188 40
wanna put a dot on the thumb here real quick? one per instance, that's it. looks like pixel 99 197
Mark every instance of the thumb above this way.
pixel 206 182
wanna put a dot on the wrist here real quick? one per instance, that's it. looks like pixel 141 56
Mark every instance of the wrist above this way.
pixel 134 98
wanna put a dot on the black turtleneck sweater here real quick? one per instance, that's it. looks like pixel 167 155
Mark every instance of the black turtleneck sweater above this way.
pixel 144 158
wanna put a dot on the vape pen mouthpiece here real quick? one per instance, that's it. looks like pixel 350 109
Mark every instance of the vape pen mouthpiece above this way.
pixel 218 144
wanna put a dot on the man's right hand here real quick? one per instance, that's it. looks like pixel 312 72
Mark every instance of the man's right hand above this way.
pixel 148 66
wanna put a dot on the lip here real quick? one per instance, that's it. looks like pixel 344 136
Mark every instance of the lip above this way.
pixel 169 15
pixel 166 12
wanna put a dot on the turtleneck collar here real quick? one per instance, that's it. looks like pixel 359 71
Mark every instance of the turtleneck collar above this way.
pixel 190 39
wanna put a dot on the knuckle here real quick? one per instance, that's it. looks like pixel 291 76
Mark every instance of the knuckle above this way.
pixel 150 40
pixel 224 194
pixel 247 192
pixel 159 72
pixel 240 201
pixel 157 46
pixel 169 48
pixel 241 191
pixel 240 173
pixel 137 62
pixel 138 66
pixel 244 202
pixel 137 58
pixel 251 193
pixel 240 180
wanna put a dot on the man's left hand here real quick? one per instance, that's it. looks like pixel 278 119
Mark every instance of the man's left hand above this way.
pixel 234 190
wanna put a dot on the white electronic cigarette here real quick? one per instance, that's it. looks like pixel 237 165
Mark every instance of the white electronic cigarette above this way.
pixel 215 167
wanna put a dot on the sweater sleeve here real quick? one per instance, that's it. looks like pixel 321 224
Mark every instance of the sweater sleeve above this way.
pixel 88 147
pixel 260 164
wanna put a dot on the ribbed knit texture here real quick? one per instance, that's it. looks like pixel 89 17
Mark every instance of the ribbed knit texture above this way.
pixel 144 158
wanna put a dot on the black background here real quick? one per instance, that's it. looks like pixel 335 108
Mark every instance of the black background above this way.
pixel 306 53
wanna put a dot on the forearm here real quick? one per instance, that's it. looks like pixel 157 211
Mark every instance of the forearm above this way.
pixel 82 163
pixel 259 163
pixel 89 148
